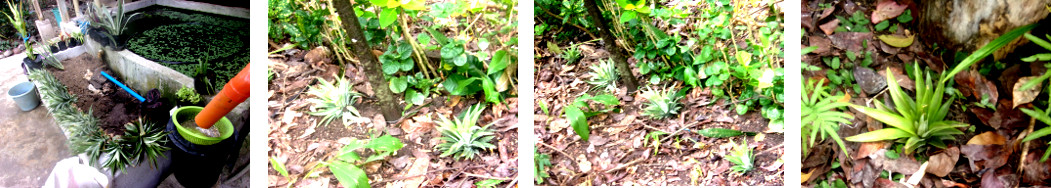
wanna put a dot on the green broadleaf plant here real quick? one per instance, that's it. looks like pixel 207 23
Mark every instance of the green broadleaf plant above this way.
pixel 540 162
pixel 579 111
pixel 346 166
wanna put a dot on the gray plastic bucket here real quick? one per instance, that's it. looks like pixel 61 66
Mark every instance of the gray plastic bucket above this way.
pixel 25 95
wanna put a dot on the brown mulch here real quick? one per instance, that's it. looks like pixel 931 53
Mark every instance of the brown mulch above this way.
pixel 296 142
pixel 618 151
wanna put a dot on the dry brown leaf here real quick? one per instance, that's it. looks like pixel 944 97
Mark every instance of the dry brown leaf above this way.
pixel 887 10
pixel 918 175
pixel 558 125
pixel 830 27
pixel 453 101
pixel 987 138
pixel 419 125
pixel 943 163
pixel 289 116
pixel 503 83
pixel 804 176
pixel 868 148
pixel 846 97
pixel 419 167
pixel 308 131
pixel 1019 96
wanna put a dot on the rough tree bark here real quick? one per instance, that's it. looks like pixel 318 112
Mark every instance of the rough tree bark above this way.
pixel 387 104
pixel 610 44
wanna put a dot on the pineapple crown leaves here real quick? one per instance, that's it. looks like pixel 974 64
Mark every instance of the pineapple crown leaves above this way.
pixel 661 103
pixel 920 121
pixel 463 139
pixel 334 102
pixel 915 122
pixel 741 157
pixel 141 142
pixel 604 75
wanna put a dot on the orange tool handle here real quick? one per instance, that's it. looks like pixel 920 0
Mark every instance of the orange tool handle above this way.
pixel 234 92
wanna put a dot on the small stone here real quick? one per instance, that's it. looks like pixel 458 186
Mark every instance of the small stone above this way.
pixel 92 89
pixel 869 81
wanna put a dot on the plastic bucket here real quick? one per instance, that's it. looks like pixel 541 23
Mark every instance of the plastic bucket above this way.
pixel 196 165
pixel 25 95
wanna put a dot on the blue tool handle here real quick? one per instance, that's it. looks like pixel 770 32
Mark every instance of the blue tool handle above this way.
pixel 136 95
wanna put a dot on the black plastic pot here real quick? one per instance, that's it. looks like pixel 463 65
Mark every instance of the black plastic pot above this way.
pixel 55 48
pixel 198 165
pixel 117 43
pixel 32 64
pixel 62 45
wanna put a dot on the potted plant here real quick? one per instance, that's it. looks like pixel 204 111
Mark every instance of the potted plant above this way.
pixel 17 19
pixel 108 27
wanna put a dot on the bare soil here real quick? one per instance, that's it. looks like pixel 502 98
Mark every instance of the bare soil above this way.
pixel 112 105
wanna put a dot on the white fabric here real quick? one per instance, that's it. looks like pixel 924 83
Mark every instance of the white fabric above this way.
pixel 75 173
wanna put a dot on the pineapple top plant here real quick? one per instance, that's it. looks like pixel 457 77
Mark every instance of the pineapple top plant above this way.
pixel 604 75
pixel 463 139
pixel 742 158
pixel 914 122
pixel 661 103
pixel 921 120
pixel 334 101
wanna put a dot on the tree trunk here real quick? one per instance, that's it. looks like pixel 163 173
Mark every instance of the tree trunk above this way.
pixel 387 104
pixel 610 44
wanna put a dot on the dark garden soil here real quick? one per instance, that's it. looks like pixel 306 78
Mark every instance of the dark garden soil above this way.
pixel 618 151
pixel 998 163
pixel 112 105
pixel 297 143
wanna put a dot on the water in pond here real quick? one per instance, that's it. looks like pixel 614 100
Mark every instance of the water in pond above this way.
pixel 183 39
pixel 192 126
